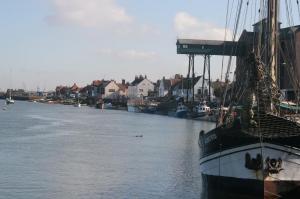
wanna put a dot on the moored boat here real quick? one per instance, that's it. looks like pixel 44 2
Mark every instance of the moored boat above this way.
pixel 201 110
pixel 10 101
pixel 181 111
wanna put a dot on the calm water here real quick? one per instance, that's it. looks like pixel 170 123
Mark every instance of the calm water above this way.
pixel 63 152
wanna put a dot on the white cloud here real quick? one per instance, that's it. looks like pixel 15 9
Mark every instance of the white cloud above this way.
pixel 189 27
pixel 89 13
pixel 105 15
pixel 129 54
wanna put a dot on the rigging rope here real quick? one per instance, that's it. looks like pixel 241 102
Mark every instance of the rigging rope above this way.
pixel 226 24
pixel 237 20
pixel 245 17
pixel 254 20
pixel 287 12
pixel 291 12
pixel 234 38
pixel 298 9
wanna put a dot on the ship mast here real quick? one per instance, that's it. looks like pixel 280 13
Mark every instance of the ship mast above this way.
pixel 272 38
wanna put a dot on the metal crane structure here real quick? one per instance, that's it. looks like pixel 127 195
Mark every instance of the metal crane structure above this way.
pixel 206 48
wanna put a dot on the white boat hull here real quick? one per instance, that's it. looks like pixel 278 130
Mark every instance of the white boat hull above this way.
pixel 229 168
pixel 10 101
pixel 77 105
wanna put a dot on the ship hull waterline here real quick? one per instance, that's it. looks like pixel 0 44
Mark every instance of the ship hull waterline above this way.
pixel 225 172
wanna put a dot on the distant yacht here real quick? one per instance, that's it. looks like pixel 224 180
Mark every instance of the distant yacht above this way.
pixel 9 100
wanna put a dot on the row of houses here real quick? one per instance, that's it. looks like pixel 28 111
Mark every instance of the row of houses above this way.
pixel 140 87
pixel 100 89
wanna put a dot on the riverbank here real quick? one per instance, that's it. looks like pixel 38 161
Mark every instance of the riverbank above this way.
pixel 142 109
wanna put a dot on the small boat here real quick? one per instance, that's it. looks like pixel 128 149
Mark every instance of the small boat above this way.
pixel 149 108
pixel 10 101
pixel 201 110
pixel 108 106
pixel 181 111
pixel 77 104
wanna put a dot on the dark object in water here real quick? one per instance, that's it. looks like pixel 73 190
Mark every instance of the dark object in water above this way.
pixel 139 136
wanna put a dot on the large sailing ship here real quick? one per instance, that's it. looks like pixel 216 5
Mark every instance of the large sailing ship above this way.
pixel 254 152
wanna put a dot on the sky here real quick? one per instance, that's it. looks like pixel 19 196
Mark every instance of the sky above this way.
pixel 45 43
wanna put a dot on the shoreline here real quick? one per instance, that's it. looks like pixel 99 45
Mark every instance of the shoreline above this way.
pixel 168 114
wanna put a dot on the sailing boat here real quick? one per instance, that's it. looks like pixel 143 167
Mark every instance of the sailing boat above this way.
pixel 9 99
pixel 254 151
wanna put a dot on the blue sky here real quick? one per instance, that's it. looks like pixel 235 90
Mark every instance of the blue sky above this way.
pixel 59 42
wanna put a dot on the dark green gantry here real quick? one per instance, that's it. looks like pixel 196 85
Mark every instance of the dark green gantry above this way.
pixel 206 48
pixel 209 47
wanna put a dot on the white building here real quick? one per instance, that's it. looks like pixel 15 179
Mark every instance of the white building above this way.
pixel 140 87
pixel 181 88
pixel 110 89
pixel 123 89
pixel 164 86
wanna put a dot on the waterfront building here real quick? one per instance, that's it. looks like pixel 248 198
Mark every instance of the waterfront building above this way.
pixel 94 89
pixel 140 87
pixel 103 89
pixel 164 86
pixel 109 90
pixel 123 88
pixel 62 92
pixel 185 88
pixel 83 92
pixel 74 91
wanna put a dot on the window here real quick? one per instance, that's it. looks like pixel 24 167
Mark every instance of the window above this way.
pixel 184 46
pixel 111 90
pixel 141 90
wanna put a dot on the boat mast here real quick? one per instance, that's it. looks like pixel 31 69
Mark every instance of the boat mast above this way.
pixel 272 56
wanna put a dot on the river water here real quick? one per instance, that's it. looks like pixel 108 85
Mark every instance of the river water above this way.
pixel 63 152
